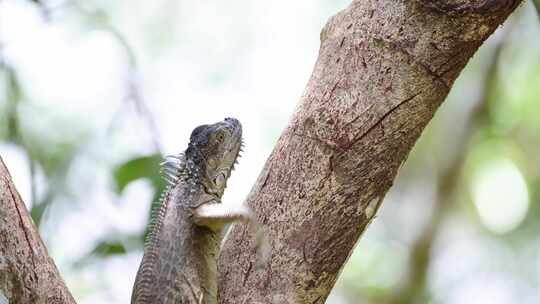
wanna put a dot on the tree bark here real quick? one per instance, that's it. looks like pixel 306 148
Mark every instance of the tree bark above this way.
pixel 384 68
pixel 27 274
pixel 414 285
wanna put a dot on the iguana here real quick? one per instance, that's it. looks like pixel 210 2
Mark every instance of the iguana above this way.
pixel 179 262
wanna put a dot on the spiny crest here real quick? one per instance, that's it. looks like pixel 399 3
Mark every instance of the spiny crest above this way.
pixel 172 168
pixel 242 146
pixel 157 214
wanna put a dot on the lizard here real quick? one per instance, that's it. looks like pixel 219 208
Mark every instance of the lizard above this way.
pixel 179 263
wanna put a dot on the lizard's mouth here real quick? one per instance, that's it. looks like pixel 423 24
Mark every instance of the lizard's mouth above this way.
pixel 239 147
pixel 235 128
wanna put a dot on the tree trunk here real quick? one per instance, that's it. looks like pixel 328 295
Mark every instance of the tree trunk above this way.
pixel 27 274
pixel 384 68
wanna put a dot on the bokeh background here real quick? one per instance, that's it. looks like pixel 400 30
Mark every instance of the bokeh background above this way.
pixel 93 93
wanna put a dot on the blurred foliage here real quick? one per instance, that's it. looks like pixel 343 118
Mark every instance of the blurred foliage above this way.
pixel 490 116
pixel 503 126
pixel 53 159
pixel 14 94
pixel 137 168
pixel 119 246
pixel 146 167
pixel 106 249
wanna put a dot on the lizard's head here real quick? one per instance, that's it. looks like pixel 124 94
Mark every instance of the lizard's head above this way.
pixel 214 149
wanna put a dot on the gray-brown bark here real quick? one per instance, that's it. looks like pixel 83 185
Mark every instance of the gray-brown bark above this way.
pixel 413 289
pixel 384 68
pixel 27 274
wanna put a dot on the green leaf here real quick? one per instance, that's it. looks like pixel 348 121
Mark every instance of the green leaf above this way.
pixel 37 211
pixel 105 249
pixel 137 168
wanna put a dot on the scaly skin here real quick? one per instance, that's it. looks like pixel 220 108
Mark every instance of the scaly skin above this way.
pixel 179 264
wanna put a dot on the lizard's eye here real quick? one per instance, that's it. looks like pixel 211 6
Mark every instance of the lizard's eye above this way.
pixel 220 180
pixel 220 137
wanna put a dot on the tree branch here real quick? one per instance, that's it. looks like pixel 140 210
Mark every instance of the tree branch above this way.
pixel 27 274
pixel 383 69
pixel 414 286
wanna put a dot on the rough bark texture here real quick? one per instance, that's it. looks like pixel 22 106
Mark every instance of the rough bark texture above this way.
pixel 413 289
pixel 27 274
pixel 384 68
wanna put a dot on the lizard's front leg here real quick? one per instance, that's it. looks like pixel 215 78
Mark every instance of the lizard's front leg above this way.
pixel 215 215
